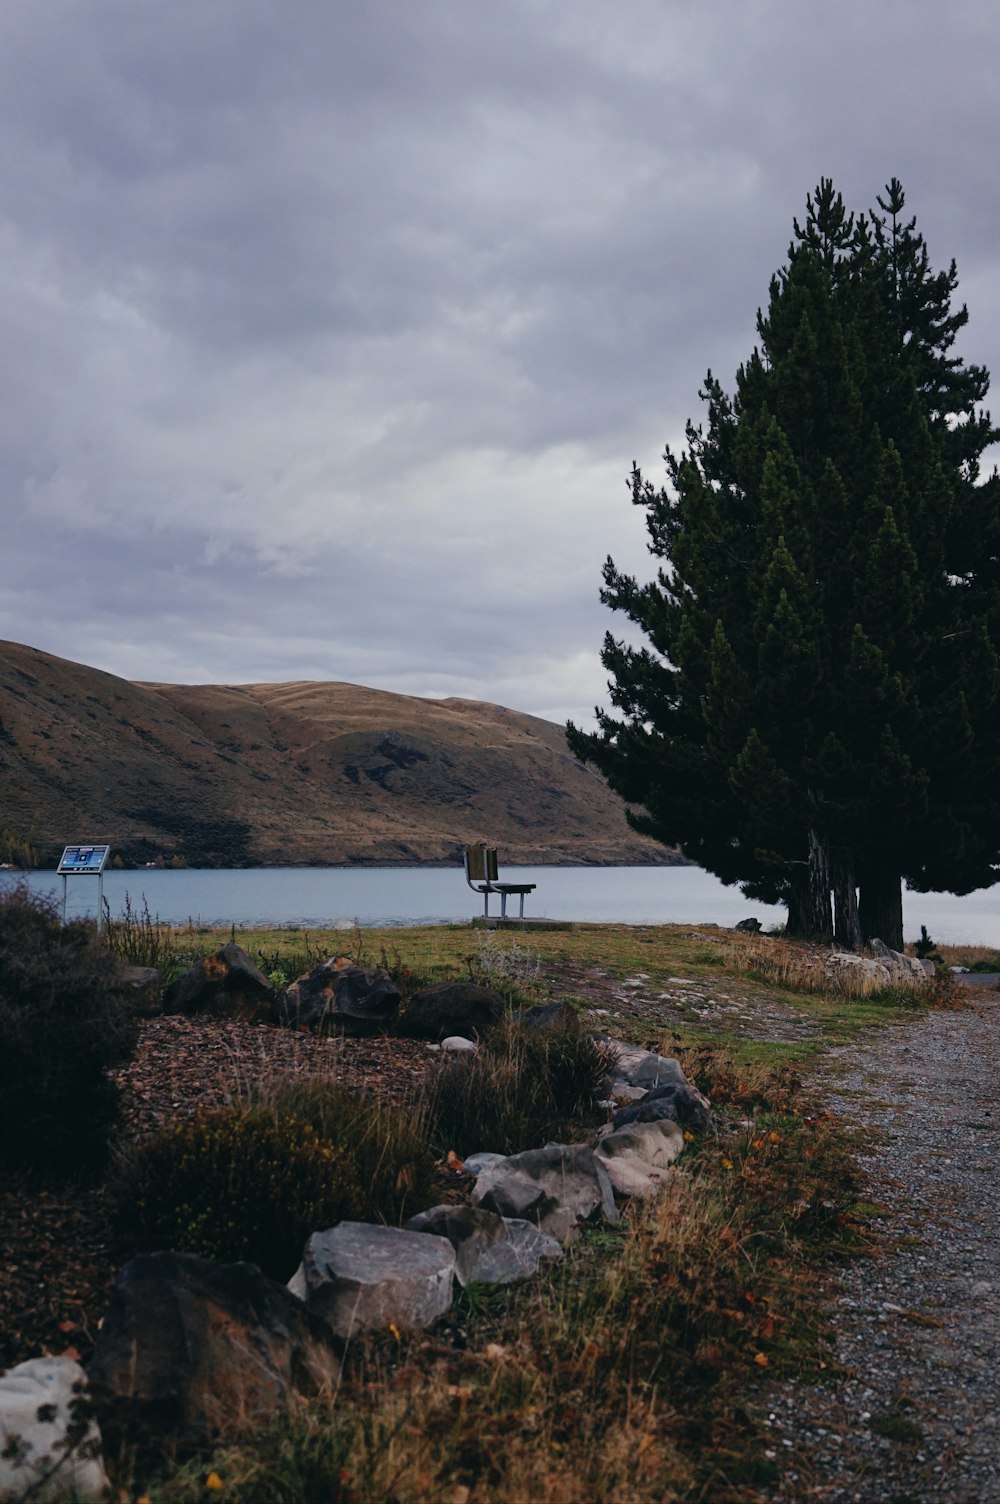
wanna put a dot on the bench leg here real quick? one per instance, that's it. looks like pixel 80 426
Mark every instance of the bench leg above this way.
pixel 521 914
pixel 486 903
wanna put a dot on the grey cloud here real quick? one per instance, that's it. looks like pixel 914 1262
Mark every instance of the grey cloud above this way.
pixel 332 331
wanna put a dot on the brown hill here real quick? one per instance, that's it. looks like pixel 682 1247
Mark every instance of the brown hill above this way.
pixel 290 773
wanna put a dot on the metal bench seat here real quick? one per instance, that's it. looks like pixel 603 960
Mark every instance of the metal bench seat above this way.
pixel 482 876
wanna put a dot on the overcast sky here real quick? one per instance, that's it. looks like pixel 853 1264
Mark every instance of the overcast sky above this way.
pixel 331 330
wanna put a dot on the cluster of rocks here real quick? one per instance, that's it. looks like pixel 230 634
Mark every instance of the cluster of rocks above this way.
pixel 199 1349
pixel 881 967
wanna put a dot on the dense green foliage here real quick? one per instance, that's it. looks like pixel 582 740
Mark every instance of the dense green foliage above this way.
pixel 63 1024
pixel 232 1184
pixel 817 707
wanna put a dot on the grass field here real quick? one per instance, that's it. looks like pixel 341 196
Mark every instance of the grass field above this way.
pixel 631 1370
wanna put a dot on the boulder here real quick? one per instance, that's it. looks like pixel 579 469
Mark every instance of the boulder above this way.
pixel 905 968
pixel 449 1008
pixel 138 978
pixel 677 1102
pixel 50 1446
pixel 338 997
pixel 488 1249
pixel 227 985
pixel 358 1276
pixel 748 927
pixel 637 1158
pixel 637 1067
pixel 548 1016
pixel 557 1188
pixel 475 1164
pixel 202 1349
pixel 846 963
pixel 456 1045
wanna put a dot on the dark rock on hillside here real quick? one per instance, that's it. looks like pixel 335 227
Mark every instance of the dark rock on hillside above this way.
pixel 451 1008
pixel 227 985
pixel 338 997
pixel 676 1102
pixel 548 1016
pixel 201 1349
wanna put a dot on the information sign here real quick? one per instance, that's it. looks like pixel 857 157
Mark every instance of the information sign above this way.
pixel 80 860
pixel 84 861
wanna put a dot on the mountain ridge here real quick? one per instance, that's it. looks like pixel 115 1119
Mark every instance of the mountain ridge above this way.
pixel 301 772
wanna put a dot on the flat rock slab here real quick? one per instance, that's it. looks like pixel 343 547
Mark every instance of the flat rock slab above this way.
pixel 489 1249
pixel 638 1157
pixel 359 1276
pixel 636 1067
pixel 41 1403
pixel 557 1188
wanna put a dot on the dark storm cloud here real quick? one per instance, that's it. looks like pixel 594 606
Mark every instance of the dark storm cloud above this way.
pixel 332 331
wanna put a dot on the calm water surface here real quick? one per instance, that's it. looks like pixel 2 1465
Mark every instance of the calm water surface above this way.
pixel 324 897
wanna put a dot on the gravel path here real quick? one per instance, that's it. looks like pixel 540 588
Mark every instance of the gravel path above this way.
pixel 914 1415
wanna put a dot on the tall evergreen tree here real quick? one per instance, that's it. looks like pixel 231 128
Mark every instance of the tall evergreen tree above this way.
pixel 815 713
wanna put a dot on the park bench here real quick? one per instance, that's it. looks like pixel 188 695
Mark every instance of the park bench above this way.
pixel 481 874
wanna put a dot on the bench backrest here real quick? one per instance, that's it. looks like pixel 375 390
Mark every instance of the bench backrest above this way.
pixel 481 864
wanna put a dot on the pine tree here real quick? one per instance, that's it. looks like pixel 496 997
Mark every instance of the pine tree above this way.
pixel 815 713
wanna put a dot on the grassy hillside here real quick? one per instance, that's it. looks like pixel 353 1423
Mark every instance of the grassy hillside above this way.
pixel 289 773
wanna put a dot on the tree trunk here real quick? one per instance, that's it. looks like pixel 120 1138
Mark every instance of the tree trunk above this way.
pixel 847 921
pixel 881 909
pixel 809 911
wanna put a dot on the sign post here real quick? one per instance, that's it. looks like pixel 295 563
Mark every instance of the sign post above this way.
pixel 85 861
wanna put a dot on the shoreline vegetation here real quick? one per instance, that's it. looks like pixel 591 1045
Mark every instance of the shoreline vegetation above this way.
pixel 631 1370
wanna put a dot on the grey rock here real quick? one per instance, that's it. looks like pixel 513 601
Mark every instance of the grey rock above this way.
pixel 556 1187
pixel 338 997
pixel 51 1445
pixel 547 1016
pixel 226 985
pixel 475 1164
pixel 138 978
pixel 906 968
pixel 357 1276
pixel 204 1349
pixel 637 1067
pixel 638 1157
pixel 456 1045
pixel 489 1249
pixel 748 927
pixel 447 1008
pixel 678 1102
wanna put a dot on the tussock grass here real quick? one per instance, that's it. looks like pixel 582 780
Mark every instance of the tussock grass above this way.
pixel 520 1090
pixel 798 967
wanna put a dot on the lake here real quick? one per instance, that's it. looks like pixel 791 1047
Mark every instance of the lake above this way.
pixel 325 897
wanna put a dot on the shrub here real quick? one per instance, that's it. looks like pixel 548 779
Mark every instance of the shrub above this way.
pixel 63 1025
pixel 520 1089
pixel 234 1183
pixel 137 939
pixel 388 1144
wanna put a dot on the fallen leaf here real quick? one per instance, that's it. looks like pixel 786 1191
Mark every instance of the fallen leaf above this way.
pixel 454 1161
pixel 760 1359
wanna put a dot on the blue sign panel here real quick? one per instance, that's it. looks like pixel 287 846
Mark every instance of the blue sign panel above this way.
pixel 77 860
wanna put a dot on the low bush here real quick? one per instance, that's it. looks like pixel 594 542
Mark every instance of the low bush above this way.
pixel 388 1144
pixel 234 1183
pixel 519 1090
pixel 63 1024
